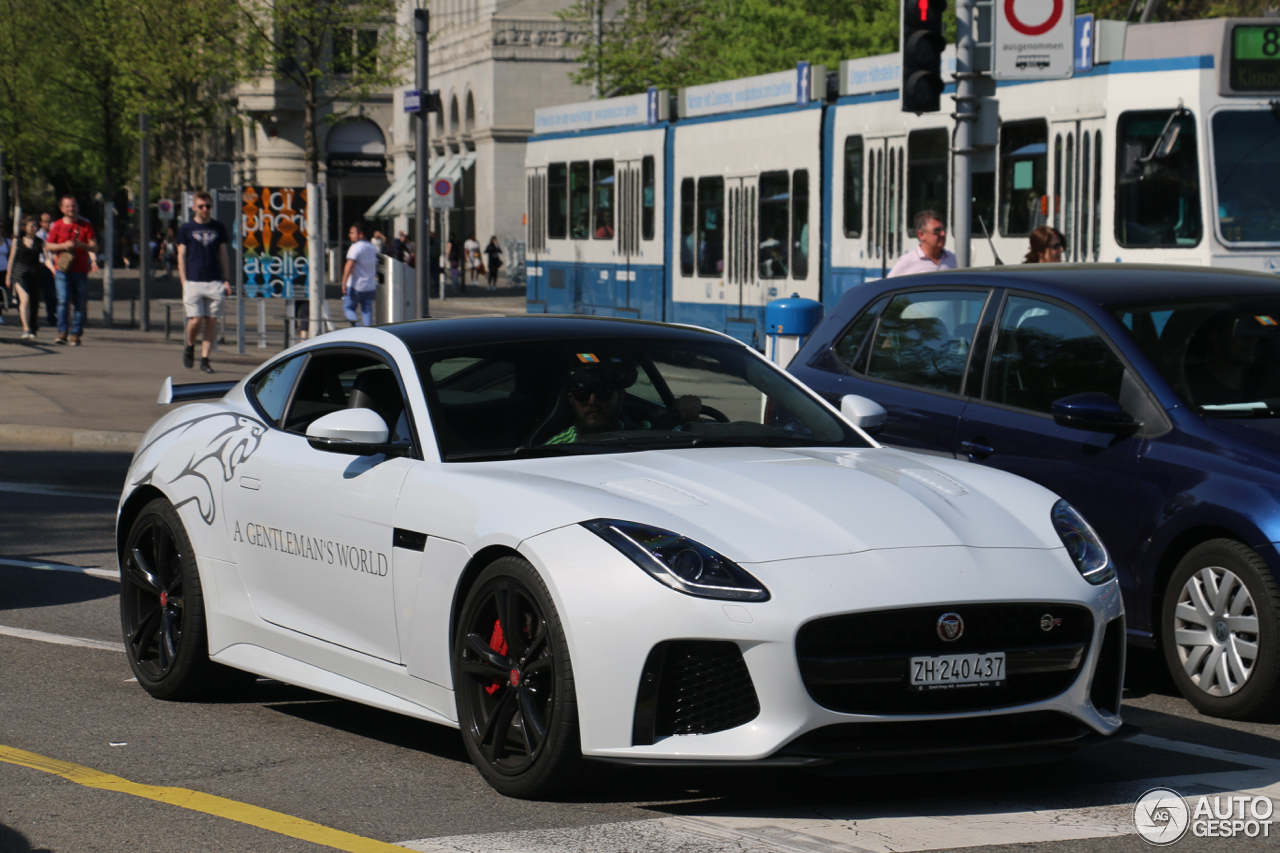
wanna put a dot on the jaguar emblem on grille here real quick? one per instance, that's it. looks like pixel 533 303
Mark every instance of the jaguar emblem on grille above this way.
pixel 950 626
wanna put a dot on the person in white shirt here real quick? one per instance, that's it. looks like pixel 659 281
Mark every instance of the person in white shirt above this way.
pixel 359 278
pixel 932 254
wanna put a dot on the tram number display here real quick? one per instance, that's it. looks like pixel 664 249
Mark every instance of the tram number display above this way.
pixel 1254 62
pixel 946 672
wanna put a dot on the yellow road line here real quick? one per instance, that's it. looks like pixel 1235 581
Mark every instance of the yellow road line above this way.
pixel 284 824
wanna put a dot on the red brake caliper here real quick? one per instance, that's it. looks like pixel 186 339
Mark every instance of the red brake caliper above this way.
pixel 498 643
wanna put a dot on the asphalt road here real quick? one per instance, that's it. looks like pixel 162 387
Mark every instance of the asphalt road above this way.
pixel 281 756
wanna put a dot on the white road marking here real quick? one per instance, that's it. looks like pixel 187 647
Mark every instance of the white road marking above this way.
pixel 109 574
pixel 917 824
pixel 61 640
pixel 56 491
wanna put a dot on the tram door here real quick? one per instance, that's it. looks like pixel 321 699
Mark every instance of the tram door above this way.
pixel 627 179
pixel 536 204
pixel 887 219
pixel 1076 178
pixel 741 251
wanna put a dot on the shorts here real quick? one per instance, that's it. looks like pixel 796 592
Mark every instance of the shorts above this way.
pixel 203 299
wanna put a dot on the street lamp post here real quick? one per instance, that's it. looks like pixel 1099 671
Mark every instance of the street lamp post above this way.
pixel 422 226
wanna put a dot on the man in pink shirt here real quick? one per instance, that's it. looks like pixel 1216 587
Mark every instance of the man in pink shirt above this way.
pixel 931 255
pixel 72 233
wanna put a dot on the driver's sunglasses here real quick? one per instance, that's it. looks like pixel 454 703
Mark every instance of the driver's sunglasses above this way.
pixel 584 395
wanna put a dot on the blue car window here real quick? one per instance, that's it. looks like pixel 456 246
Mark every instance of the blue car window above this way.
pixel 923 339
pixel 1044 352
pixel 851 347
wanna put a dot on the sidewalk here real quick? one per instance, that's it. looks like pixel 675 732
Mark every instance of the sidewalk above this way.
pixel 103 394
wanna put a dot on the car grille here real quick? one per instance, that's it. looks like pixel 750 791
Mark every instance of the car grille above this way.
pixel 693 687
pixel 858 663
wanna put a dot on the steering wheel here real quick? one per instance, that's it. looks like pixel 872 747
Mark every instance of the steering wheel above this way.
pixel 714 414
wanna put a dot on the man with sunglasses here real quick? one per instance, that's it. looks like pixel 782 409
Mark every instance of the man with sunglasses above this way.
pixel 932 254
pixel 596 392
pixel 206 277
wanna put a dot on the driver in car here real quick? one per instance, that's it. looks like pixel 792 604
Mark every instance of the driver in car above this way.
pixel 596 391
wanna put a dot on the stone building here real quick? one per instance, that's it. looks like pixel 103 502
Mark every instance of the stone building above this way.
pixel 493 61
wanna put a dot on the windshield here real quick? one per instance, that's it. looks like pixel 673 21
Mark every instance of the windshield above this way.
pixel 1222 355
pixel 1246 167
pixel 544 398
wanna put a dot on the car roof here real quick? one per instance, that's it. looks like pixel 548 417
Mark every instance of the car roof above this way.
pixel 1113 284
pixel 427 335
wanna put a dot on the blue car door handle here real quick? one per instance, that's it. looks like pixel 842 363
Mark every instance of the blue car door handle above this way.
pixel 975 449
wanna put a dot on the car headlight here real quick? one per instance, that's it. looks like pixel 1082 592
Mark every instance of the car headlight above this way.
pixel 678 561
pixel 1084 546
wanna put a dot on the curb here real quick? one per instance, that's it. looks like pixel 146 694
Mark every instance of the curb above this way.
pixel 96 439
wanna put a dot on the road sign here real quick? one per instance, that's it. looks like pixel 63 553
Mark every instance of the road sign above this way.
pixel 164 207
pixel 442 192
pixel 1084 43
pixel 412 100
pixel 1033 40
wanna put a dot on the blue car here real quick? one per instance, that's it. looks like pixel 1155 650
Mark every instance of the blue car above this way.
pixel 1148 397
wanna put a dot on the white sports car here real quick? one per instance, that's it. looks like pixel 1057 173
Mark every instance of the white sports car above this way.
pixel 595 540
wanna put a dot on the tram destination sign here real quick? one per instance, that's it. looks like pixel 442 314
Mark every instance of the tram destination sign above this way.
pixel 1253 58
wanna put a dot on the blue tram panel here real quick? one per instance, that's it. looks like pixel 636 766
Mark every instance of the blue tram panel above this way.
pixel 755 189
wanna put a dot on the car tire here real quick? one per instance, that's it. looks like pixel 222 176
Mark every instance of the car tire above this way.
pixel 1219 631
pixel 162 612
pixel 516 705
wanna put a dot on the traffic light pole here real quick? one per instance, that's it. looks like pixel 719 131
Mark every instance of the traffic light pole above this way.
pixel 965 115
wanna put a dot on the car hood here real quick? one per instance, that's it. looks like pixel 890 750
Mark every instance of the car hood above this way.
pixel 757 505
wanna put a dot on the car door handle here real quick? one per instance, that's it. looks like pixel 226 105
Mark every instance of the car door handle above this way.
pixel 250 483
pixel 975 449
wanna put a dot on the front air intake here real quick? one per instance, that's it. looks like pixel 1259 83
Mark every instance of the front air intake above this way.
pixel 693 687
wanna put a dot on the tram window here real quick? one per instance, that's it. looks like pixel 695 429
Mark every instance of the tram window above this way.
pixel 648 200
pixel 580 200
pixel 982 212
pixel 1157 202
pixel 686 226
pixel 1097 194
pixel 775 219
pixel 800 223
pixel 927 159
pixel 710 226
pixel 1246 167
pixel 1024 168
pixel 602 200
pixel 853 186
pixel 557 201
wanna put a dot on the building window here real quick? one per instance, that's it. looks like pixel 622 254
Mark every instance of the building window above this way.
pixel 355 52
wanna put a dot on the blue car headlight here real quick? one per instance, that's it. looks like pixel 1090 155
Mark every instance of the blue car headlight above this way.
pixel 679 562
pixel 1084 546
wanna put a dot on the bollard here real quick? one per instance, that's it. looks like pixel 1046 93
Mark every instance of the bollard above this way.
pixel 166 321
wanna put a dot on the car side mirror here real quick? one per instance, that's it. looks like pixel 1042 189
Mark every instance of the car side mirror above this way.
pixel 868 415
pixel 1094 411
pixel 355 432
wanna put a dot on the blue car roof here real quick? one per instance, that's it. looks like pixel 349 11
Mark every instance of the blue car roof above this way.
pixel 1107 284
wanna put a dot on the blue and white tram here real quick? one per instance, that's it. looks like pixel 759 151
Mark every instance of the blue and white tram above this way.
pixel 1168 152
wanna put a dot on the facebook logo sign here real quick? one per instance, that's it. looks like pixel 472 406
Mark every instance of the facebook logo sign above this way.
pixel 1084 42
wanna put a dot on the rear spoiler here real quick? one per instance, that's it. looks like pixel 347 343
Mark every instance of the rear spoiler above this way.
pixel 170 393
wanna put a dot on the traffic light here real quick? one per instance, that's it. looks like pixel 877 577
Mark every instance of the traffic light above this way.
pixel 922 44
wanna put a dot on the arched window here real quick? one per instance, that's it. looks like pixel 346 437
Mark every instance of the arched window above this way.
pixel 471 114
pixel 454 127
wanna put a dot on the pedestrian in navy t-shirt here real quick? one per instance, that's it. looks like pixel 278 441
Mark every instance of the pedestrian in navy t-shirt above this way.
pixel 205 273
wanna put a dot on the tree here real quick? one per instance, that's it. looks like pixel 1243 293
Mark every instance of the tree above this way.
pixel 334 53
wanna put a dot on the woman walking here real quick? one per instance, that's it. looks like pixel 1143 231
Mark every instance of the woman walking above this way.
pixel 24 276
pixel 494 253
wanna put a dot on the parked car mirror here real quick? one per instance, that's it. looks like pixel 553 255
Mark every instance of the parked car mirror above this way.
pixel 357 432
pixel 868 415
pixel 1095 411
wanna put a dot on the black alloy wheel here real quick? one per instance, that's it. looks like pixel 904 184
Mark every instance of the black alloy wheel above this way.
pixel 516 705
pixel 162 610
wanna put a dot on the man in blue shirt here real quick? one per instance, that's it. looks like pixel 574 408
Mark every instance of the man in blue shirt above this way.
pixel 205 273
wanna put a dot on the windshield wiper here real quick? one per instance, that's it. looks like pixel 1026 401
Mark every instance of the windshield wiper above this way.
pixel 526 450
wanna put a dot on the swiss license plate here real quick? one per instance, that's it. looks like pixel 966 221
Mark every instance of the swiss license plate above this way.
pixel 949 672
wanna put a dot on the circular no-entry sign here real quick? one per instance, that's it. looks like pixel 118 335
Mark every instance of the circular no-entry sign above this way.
pixel 444 186
pixel 1027 7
